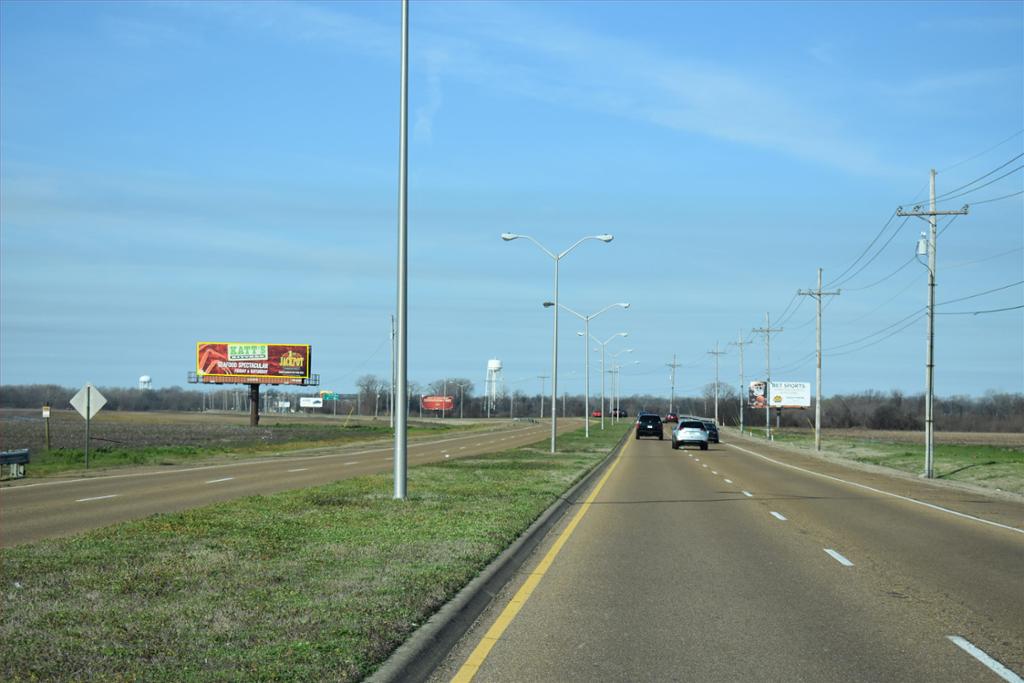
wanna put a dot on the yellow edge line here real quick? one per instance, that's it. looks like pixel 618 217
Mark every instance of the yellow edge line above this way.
pixel 483 648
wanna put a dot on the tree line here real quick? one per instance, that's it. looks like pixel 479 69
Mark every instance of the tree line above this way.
pixel 993 412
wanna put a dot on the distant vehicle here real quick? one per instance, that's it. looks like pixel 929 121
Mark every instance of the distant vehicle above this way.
pixel 712 429
pixel 690 432
pixel 619 412
pixel 596 413
pixel 672 417
pixel 649 425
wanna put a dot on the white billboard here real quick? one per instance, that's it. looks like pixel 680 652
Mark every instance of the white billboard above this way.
pixel 791 395
pixel 307 402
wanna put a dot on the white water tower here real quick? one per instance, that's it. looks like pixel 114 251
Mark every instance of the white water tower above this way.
pixel 145 382
pixel 492 382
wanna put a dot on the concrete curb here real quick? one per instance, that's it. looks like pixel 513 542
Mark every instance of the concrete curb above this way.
pixel 417 657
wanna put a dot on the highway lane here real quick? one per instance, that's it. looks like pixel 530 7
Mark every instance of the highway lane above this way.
pixel 34 509
pixel 721 565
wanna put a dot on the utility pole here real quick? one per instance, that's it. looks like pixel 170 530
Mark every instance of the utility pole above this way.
pixel 542 378
pixel 929 406
pixel 394 374
pixel 716 353
pixel 767 332
pixel 740 343
pixel 817 294
pixel 672 399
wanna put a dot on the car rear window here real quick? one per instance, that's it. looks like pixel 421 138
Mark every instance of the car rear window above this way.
pixel 650 418
pixel 693 425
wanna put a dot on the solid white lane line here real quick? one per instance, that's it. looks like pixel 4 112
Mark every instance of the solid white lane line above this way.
pixel 217 481
pixel 728 481
pixel 838 558
pixel 997 668
pixel 748 494
pixel 85 500
pixel 778 516
pixel 299 469
pixel 884 493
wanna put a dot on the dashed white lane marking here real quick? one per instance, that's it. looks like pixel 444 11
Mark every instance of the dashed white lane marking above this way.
pixel 217 481
pixel 728 481
pixel 997 668
pixel 713 472
pixel 690 454
pixel 354 462
pixel 462 448
pixel 884 493
pixel 838 558
pixel 479 444
pixel 696 459
pixel 299 469
pixel 748 494
pixel 704 466
pixel 86 500
pixel 778 516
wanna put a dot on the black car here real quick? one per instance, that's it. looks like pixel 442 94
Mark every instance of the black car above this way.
pixel 649 425
pixel 712 429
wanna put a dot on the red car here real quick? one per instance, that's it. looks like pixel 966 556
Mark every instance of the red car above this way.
pixel 672 417
pixel 596 413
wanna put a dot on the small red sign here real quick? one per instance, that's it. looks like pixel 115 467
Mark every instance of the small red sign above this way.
pixel 438 402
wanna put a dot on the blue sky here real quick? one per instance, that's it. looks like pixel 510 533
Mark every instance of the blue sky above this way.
pixel 182 172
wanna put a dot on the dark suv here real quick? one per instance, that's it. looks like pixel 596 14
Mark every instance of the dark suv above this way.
pixel 649 425
pixel 712 430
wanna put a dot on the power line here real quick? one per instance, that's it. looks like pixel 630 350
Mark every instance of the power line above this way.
pixel 869 261
pixel 878 282
pixel 982 260
pixel 879 341
pixel 918 313
pixel 975 296
pixel 996 199
pixel 982 153
pixel 982 177
pixel 866 249
pixel 991 310
pixel 975 189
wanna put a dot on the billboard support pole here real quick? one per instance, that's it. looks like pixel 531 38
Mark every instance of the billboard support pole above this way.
pixel 254 405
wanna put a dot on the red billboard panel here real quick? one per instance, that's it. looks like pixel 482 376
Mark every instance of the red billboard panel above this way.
pixel 223 362
pixel 438 402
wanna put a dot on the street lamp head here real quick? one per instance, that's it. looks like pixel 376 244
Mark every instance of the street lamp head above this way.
pixel 549 304
pixel 509 236
pixel 622 334
pixel 580 334
pixel 605 237
pixel 622 305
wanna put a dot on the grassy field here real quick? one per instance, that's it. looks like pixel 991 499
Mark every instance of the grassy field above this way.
pixel 991 460
pixel 124 439
pixel 307 585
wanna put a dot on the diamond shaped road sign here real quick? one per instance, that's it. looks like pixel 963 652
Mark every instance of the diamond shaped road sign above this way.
pixel 96 401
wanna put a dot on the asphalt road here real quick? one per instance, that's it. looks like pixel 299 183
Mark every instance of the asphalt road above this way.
pixel 723 565
pixel 31 509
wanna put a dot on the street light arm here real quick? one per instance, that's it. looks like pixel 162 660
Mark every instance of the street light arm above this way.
pixel 609 306
pixel 509 236
pixel 600 238
pixel 549 304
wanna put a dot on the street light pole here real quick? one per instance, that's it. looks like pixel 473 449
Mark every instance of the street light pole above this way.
pixel 401 370
pixel 508 237
pixel 602 344
pixel 586 354
pixel 615 390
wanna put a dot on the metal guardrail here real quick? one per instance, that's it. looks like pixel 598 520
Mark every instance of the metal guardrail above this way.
pixel 15 461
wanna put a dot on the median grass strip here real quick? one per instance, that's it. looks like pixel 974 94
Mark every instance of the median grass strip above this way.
pixel 313 584
pixel 995 466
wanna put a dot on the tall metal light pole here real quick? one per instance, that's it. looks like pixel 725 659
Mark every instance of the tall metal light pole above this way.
pixel 615 388
pixel 509 236
pixel 586 353
pixel 401 370
pixel 603 344
pixel 929 405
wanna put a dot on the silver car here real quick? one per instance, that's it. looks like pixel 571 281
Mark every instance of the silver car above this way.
pixel 690 433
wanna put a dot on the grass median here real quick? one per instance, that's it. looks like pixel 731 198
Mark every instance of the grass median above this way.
pixel 313 584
